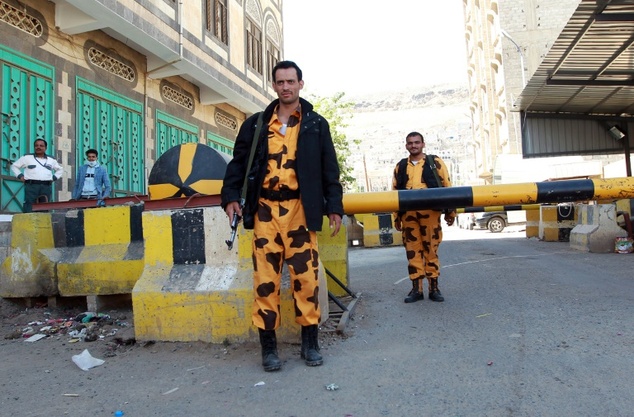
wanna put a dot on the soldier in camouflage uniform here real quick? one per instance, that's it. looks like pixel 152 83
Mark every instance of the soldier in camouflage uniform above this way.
pixel 422 232
pixel 292 183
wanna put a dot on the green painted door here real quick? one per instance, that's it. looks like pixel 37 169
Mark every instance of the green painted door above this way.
pixel 220 144
pixel 171 131
pixel 113 125
pixel 27 93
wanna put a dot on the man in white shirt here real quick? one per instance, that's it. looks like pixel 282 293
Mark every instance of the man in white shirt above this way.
pixel 37 171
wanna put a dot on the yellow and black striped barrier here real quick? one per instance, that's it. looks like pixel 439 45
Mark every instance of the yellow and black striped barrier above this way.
pixel 508 207
pixel 489 195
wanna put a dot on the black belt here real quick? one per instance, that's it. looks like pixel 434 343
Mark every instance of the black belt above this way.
pixel 88 197
pixel 38 182
pixel 279 195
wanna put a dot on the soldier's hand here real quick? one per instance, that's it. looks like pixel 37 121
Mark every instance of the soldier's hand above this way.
pixel 335 223
pixel 231 208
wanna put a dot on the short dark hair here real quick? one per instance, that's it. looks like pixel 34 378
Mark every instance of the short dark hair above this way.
pixel 89 151
pixel 40 140
pixel 411 134
pixel 287 65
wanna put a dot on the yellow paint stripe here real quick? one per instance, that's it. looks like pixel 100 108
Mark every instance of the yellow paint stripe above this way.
pixel 606 189
pixel 208 187
pixel 186 159
pixel 160 191
pixel 378 202
pixel 107 225
pixel 501 194
pixel 159 243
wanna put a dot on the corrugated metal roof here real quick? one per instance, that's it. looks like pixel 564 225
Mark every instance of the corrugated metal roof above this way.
pixel 590 68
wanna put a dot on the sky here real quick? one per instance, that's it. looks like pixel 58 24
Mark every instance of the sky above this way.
pixel 370 46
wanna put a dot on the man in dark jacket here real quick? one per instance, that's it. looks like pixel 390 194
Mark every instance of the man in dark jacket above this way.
pixel 293 181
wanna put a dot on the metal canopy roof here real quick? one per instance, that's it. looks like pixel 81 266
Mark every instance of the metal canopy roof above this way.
pixel 590 68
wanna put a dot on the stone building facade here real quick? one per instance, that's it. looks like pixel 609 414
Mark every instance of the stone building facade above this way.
pixel 506 41
pixel 130 78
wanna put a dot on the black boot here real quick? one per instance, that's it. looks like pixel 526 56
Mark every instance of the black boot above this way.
pixel 270 360
pixel 434 292
pixel 310 345
pixel 416 293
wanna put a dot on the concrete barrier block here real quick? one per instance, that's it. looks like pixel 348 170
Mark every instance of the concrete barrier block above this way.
pixel 208 301
pixel 556 222
pixel 532 223
pixel 27 272
pixel 333 254
pixel 103 253
pixel 597 229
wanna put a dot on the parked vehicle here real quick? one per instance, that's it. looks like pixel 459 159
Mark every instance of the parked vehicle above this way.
pixel 495 221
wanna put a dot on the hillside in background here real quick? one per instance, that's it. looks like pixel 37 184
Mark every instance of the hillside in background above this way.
pixel 382 120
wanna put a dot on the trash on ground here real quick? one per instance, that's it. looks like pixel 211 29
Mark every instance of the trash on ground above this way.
pixel 259 384
pixel 89 316
pixel 332 387
pixel 35 337
pixel 85 360
pixel 170 391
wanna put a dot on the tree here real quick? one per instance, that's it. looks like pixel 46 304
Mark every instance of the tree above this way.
pixel 337 111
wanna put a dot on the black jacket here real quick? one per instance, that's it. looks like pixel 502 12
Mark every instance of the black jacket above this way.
pixel 317 167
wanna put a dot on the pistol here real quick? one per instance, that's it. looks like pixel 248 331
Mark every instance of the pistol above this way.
pixel 234 228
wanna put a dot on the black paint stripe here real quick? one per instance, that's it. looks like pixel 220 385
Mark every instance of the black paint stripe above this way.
pixel 75 228
pixel 136 223
pixel 188 233
pixel 58 221
pixel 435 198
pixel 565 191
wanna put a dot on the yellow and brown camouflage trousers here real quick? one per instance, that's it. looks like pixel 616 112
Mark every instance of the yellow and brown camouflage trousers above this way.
pixel 422 234
pixel 279 236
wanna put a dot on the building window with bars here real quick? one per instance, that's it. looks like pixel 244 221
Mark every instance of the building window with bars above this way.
pixel 217 19
pixel 272 58
pixel 254 46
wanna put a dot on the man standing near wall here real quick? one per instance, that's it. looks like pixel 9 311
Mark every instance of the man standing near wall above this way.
pixel 92 180
pixel 40 170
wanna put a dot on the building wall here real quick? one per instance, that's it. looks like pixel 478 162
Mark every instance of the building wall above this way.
pixel 534 25
pixel 155 56
pixel 495 66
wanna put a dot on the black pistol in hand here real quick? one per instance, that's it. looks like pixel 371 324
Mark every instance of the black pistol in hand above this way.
pixel 234 229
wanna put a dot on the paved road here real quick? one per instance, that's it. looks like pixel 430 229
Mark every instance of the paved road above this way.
pixel 528 328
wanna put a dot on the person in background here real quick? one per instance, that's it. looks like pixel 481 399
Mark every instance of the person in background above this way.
pixel 293 182
pixel 92 182
pixel 421 229
pixel 38 171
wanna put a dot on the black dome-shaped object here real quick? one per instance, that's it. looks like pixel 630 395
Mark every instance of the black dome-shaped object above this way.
pixel 187 169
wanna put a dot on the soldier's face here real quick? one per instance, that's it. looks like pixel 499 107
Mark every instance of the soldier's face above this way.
pixel 414 145
pixel 287 86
